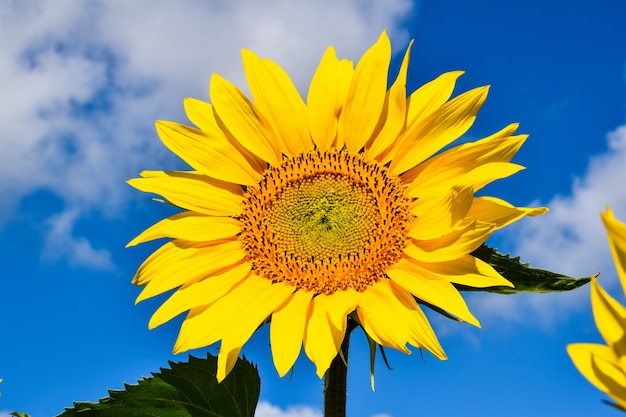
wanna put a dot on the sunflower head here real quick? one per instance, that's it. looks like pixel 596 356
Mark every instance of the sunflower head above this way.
pixel 605 365
pixel 307 215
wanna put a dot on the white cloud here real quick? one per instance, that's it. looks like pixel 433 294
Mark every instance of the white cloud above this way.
pixel 83 82
pixel 61 242
pixel 571 239
pixel 265 409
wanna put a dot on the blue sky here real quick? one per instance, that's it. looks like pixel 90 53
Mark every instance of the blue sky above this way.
pixel 83 82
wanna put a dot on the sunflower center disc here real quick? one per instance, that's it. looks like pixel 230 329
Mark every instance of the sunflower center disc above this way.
pixel 322 217
pixel 325 222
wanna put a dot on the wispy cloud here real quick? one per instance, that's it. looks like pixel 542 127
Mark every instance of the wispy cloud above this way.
pixel 570 239
pixel 61 242
pixel 83 82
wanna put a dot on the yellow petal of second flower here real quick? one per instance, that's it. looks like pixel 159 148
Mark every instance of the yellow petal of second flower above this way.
pixel 609 315
pixel 616 231
pixel 600 366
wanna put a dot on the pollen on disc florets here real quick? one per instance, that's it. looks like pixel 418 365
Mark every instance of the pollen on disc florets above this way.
pixel 325 221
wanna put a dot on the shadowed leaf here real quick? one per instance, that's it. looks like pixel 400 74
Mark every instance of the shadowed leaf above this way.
pixel 525 278
pixel 188 389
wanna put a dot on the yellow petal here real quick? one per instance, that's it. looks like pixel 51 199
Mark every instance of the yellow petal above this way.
pixel 488 173
pixel 421 104
pixel 500 213
pixel 324 100
pixel 226 360
pixel 601 367
pixel 444 126
pixel 391 317
pixel 454 245
pixel 439 217
pixel 190 226
pixel 203 115
pixel 179 262
pixel 427 186
pixel 346 73
pixel 341 304
pixel 610 315
pixel 212 155
pixel 200 113
pixel 322 339
pixel 261 303
pixel 616 231
pixel 200 293
pixel 267 297
pixel 381 317
pixel 395 112
pixel 287 330
pixel 276 96
pixel 432 289
pixel 206 325
pixel 366 96
pixel 467 270
pixel 498 147
pixel 421 334
pixel 194 192
pixel 240 118
pixel 431 96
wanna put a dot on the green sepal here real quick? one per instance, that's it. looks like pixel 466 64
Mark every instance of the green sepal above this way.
pixel 525 278
pixel 187 389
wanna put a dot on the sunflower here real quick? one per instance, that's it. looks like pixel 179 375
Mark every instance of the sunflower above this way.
pixel 308 215
pixel 605 365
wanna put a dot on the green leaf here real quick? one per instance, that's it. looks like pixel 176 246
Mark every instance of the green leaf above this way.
pixel 525 278
pixel 188 389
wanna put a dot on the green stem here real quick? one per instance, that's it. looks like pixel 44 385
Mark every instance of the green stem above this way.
pixel 336 380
